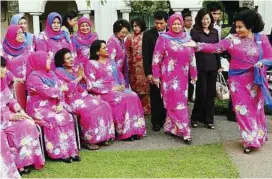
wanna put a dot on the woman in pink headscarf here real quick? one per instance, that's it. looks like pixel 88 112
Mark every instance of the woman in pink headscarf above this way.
pixel 96 119
pixel 45 103
pixel 16 52
pixel 171 66
pixel 19 129
pixel 83 39
pixel 53 38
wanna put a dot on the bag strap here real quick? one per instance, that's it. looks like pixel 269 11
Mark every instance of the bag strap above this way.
pixel 222 79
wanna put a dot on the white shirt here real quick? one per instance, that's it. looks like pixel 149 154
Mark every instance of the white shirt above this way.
pixel 218 28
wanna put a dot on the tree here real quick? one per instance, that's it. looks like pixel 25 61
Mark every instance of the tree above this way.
pixel 13 8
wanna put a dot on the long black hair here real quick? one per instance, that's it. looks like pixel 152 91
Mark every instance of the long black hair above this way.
pixel 95 47
pixel 69 15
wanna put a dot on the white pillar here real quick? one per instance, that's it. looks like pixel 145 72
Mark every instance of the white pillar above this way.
pixel 85 13
pixel 178 11
pixel 193 14
pixel 125 14
pixel 36 22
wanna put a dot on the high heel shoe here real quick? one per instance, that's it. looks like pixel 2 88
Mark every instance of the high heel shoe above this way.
pixel 187 141
pixel 194 124
pixel 25 171
pixel 210 126
pixel 247 150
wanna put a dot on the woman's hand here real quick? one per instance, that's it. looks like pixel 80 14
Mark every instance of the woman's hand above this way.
pixel 193 81
pixel 156 82
pixel 259 65
pixel 190 44
pixel 118 88
pixel 220 70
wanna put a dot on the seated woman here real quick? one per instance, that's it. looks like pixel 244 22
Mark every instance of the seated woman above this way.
pixel 96 119
pixel 8 167
pixel 108 82
pixel 45 103
pixel 19 129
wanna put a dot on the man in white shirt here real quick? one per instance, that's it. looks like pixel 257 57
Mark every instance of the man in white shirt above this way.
pixel 216 10
pixel 188 22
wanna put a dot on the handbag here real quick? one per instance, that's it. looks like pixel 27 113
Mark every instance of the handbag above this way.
pixel 222 90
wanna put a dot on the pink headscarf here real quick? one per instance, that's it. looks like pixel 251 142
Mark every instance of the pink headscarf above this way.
pixel 10 45
pixel 80 39
pixel 170 23
pixel 37 63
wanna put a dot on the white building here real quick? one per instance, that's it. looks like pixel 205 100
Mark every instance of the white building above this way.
pixel 104 15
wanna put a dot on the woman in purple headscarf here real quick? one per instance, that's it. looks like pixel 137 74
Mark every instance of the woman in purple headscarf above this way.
pixel 16 52
pixel 96 119
pixel 53 38
pixel 46 103
pixel 171 65
pixel 83 39
pixel 19 19
pixel 19 129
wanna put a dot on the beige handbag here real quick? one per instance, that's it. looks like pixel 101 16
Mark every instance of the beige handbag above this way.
pixel 222 90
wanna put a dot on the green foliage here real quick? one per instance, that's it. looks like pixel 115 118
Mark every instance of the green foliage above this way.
pixel 206 161
pixel 225 32
pixel 148 7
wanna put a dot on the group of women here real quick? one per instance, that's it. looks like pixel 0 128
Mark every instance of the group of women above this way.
pixel 73 73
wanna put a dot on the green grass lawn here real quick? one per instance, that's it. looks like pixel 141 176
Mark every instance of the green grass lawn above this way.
pixel 187 162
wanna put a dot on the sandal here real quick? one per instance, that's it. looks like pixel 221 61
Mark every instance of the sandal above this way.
pixel 136 137
pixel 91 146
pixel 194 124
pixel 247 150
pixel 106 143
pixel 187 141
pixel 24 171
pixel 210 126
pixel 67 160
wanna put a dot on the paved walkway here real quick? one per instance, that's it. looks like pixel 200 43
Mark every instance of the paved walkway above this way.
pixel 255 165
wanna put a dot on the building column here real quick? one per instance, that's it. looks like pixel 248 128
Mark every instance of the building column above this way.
pixel 125 14
pixel 193 14
pixel 178 10
pixel 36 22
pixel 85 13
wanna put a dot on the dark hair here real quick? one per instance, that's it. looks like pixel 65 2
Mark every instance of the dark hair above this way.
pixel 251 19
pixel 140 22
pixel 70 15
pixel 3 62
pixel 161 15
pixel 59 57
pixel 120 24
pixel 214 6
pixel 95 47
pixel 186 15
pixel 198 20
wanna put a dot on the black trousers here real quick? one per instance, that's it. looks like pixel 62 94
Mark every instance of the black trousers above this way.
pixel 203 110
pixel 190 89
pixel 158 112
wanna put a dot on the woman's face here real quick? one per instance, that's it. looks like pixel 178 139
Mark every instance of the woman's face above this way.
pixel 48 63
pixel 122 33
pixel 176 26
pixel 206 21
pixel 20 35
pixel 103 51
pixel 241 29
pixel 68 61
pixel 85 28
pixel 23 24
pixel 3 71
pixel 56 25
pixel 136 28
pixel 72 22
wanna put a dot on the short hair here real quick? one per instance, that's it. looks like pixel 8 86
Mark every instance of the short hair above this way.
pixel 214 6
pixel 3 62
pixel 251 19
pixel 198 20
pixel 70 15
pixel 95 47
pixel 59 57
pixel 186 15
pixel 159 15
pixel 120 24
pixel 140 22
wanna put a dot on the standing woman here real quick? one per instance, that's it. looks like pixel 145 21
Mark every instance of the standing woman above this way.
pixel 19 19
pixel 15 51
pixel 19 129
pixel 46 103
pixel 69 23
pixel 95 115
pixel 249 51
pixel 207 67
pixel 53 38
pixel 108 82
pixel 171 66
pixel 137 79
pixel 83 39
pixel 116 46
